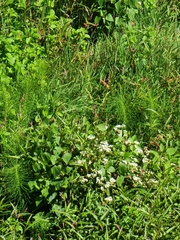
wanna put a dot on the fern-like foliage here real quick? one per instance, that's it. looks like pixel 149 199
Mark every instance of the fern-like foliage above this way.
pixel 15 182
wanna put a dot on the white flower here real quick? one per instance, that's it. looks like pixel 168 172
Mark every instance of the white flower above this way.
pixel 112 181
pixel 120 133
pixel 145 160
pixel 91 137
pixel 154 181
pixel 102 188
pixel 107 185
pixel 105 160
pixel 117 127
pixel 127 142
pixel 84 180
pixel 80 162
pixel 139 150
pixel 108 199
pixel 133 164
pixel 137 179
pixel 98 181
pixel 99 172
pixel 88 175
pixel 136 143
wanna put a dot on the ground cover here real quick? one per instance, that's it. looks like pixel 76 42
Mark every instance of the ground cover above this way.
pixel 89 120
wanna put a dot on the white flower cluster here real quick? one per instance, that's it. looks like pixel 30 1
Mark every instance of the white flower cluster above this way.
pixel 105 147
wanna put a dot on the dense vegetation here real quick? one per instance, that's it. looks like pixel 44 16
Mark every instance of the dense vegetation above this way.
pixel 89 119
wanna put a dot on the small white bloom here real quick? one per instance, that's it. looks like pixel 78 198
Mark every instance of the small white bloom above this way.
pixel 145 160
pixel 84 180
pixel 112 181
pixel 80 162
pixel 102 188
pixel 117 127
pixel 133 164
pixel 136 143
pixel 120 133
pixel 135 178
pixel 153 181
pixel 91 137
pixel 99 172
pixel 88 175
pixel 139 150
pixel 108 199
pixel 127 142
pixel 98 181
pixel 107 185
pixel 105 160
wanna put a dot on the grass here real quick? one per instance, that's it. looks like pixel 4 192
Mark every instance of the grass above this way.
pixel 91 137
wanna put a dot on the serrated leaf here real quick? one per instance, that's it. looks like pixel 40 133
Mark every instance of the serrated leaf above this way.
pixel 66 157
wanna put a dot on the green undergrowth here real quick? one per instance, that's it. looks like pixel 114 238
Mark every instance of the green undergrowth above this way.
pixel 89 120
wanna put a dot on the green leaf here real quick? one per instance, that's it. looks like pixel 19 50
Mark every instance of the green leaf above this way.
pixel 10 59
pixel 53 159
pixel 101 2
pixel 45 192
pixel 123 168
pixel 52 197
pixel 109 17
pixel 111 169
pixel 66 157
pixel 120 180
pixel 68 169
pixel 55 170
pixel 171 151
pixel 118 6
pixel 118 21
pixel 38 201
pixel 102 127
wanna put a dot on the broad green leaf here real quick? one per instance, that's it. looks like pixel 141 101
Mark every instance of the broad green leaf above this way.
pixel 102 127
pixel 45 192
pixel 55 170
pixel 118 6
pixel 53 159
pixel 162 147
pixel 52 197
pixel 120 180
pixel 68 169
pixel 109 17
pixel 22 4
pixel 111 169
pixel 171 151
pixel 118 21
pixel 66 157
pixel 101 2
pixel 123 168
